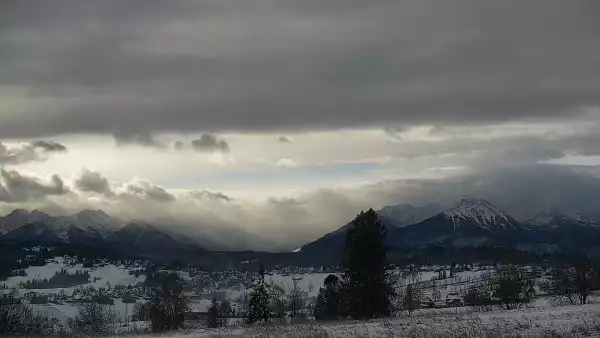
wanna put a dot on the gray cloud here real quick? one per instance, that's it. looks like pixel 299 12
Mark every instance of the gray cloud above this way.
pixel 28 152
pixel 293 64
pixel 145 139
pixel 202 194
pixel 15 187
pixel 284 139
pixel 145 190
pixel 90 181
pixel 178 145
pixel 135 190
pixel 209 143
pixel 49 146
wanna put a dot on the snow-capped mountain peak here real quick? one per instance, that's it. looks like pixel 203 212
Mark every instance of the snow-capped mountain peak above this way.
pixel 553 218
pixel 480 213
pixel 88 220
pixel 98 220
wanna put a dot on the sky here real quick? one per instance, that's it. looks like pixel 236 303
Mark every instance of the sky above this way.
pixel 263 124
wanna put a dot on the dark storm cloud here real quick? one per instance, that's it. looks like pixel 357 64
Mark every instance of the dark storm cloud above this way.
pixel 210 143
pixel 294 64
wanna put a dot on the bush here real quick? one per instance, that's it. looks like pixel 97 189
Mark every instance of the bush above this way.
pixel 479 298
pixel 95 319
pixel 512 286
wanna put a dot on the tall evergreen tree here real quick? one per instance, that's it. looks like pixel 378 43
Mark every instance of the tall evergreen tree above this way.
pixel 367 290
pixel 258 307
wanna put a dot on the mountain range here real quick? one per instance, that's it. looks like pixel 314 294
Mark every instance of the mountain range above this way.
pixel 470 223
pixel 474 223
pixel 92 229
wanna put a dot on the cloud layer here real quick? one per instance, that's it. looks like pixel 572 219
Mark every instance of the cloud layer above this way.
pixel 278 120
pixel 238 65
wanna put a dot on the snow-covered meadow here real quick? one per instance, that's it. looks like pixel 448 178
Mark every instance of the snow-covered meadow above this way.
pixel 111 275
pixel 535 322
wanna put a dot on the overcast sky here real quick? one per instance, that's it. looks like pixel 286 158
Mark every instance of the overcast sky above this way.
pixel 265 123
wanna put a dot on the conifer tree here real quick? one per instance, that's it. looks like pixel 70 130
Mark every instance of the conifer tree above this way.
pixel 367 290
pixel 258 307
pixel 327 306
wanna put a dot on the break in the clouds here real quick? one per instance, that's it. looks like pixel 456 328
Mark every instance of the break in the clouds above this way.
pixel 278 120
pixel 77 67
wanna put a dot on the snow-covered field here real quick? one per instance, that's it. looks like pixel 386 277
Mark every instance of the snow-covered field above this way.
pixel 113 275
pixel 101 276
pixel 568 321
pixel 541 320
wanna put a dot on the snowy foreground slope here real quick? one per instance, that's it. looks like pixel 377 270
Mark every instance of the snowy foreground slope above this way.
pixel 568 321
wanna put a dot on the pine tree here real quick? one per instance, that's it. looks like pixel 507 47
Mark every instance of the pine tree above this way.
pixel 367 291
pixel 258 307
pixel 327 306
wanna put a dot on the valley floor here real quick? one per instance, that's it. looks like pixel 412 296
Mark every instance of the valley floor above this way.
pixel 566 321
